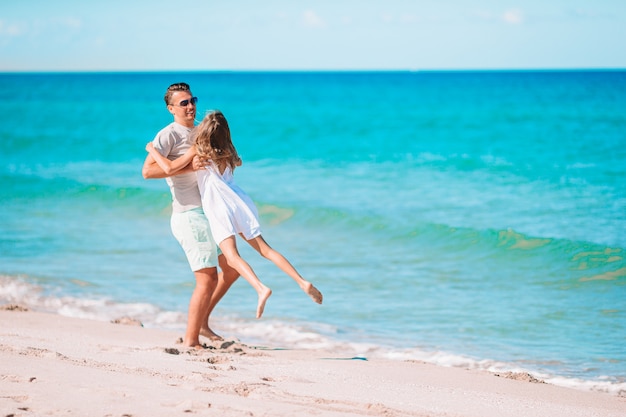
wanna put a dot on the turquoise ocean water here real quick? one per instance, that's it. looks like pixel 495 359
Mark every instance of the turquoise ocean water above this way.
pixel 473 219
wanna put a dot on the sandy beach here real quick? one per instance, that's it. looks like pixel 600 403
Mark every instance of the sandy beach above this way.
pixel 59 366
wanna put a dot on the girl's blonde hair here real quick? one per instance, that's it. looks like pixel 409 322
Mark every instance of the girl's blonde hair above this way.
pixel 213 142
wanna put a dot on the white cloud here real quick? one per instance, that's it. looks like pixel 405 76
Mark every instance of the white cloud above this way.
pixel 484 15
pixel 312 20
pixel 387 18
pixel 10 29
pixel 38 27
pixel 408 18
pixel 513 16
pixel 403 18
pixel 71 22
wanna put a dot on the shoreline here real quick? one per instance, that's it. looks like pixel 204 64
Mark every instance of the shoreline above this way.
pixel 57 365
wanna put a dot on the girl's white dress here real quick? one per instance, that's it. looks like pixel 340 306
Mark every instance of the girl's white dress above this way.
pixel 229 209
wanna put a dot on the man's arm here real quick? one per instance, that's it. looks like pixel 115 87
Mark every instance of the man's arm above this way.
pixel 171 167
pixel 152 170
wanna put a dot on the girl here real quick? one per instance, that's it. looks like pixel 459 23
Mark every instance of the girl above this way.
pixel 229 209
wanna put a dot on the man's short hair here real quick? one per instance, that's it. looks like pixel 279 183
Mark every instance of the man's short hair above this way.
pixel 174 88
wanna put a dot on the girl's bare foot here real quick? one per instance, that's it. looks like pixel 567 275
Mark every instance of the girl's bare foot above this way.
pixel 263 296
pixel 313 292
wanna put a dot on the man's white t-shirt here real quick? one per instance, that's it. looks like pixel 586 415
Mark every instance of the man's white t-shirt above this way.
pixel 172 142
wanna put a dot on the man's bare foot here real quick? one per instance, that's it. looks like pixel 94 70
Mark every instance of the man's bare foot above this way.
pixel 313 292
pixel 263 296
pixel 210 334
pixel 197 346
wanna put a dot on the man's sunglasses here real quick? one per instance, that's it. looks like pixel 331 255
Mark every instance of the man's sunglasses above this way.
pixel 185 103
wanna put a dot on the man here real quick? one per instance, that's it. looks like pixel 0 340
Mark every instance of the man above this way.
pixel 188 222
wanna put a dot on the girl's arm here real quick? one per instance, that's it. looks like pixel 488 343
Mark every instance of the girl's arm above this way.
pixel 171 167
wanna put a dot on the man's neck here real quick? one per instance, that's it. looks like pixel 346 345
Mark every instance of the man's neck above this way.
pixel 187 124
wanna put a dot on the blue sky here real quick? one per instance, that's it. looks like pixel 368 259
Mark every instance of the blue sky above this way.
pixel 116 35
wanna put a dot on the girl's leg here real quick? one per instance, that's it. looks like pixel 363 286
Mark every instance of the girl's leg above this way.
pixel 261 246
pixel 229 249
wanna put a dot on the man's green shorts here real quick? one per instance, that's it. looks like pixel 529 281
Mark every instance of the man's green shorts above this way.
pixel 192 230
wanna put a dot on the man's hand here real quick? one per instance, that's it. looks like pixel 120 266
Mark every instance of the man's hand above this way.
pixel 198 163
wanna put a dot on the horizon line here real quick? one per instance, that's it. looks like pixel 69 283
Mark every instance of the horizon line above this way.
pixel 406 70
